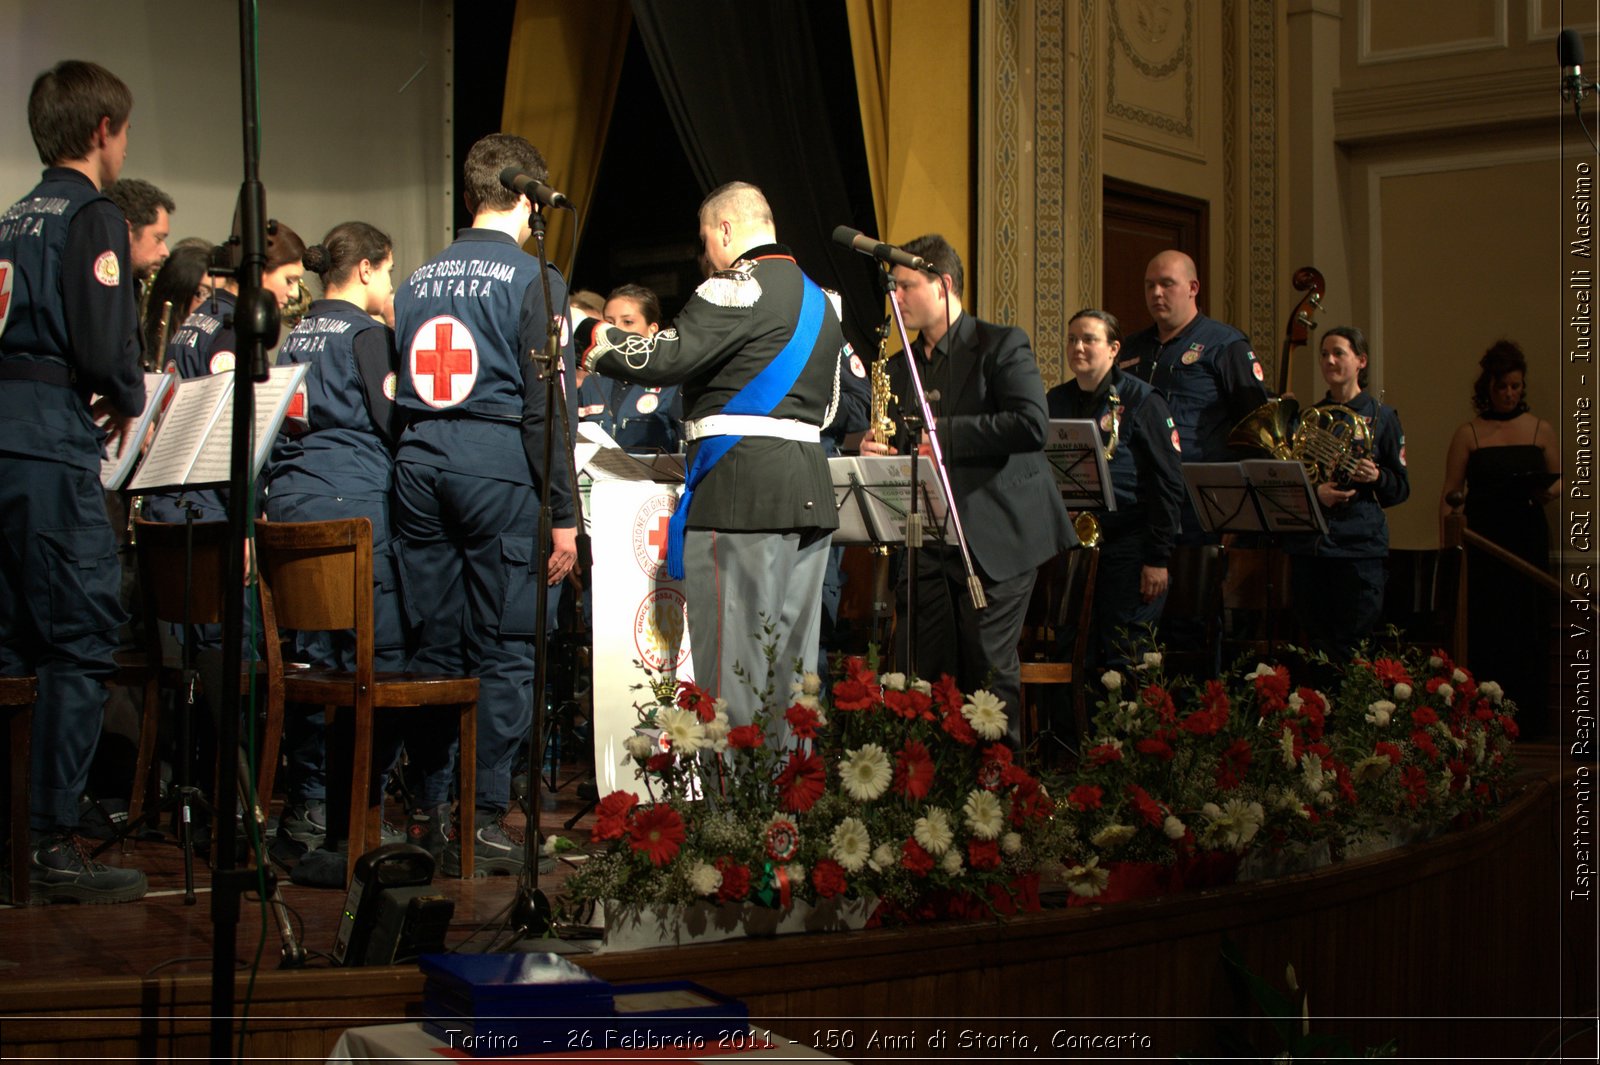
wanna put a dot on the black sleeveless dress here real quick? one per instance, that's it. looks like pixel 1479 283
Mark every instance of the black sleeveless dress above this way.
pixel 1509 621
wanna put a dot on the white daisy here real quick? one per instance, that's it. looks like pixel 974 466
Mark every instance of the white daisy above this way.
pixel 865 772
pixel 1113 836
pixel 685 730
pixel 850 845
pixel 984 816
pixel 1286 746
pixel 933 831
pixel 986 713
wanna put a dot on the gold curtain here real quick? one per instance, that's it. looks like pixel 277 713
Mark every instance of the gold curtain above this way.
pixel 869 46
pixel 562 72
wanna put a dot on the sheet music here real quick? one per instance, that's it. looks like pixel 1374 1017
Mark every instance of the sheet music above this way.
pixel 196 406
pixel 1288 501
pixel 886 492
pixel 1221 497
pixel 115 469
pixel 848 500
pixel 1078 462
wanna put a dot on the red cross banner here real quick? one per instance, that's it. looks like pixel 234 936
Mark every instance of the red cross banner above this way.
pixel 443 362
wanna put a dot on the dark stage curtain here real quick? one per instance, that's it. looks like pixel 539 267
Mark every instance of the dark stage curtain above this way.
pixel 744 85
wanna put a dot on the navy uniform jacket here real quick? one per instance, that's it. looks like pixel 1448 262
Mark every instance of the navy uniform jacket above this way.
pixel 992 425
pixel 68 320
pixel 734 326
pixel 1209 377
pixel 638 417
pixel 339 433
pixel 1358 529
pixel 1146 471
pixel 472 398
pixel 854 405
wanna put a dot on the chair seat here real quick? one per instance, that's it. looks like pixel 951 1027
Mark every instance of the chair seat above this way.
pixel 1047 672
pixel 18 691
pixel 389 689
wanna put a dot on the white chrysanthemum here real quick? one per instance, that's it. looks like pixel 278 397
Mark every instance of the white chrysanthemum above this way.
pixel 1435 662
pixel 1370 768
pixel 1402 691
pixel 984 815
pixel 1295 702
pixel 1111 680
pixel 684 729
pixel 717 729
pixel 1312 773
pixel 1011 843
pixel 1233 825
pixel 811 684
pixel 893 682
pixel 923 686
pixel 1152 660
pixel 639 747
pixel 1173 828
pixel 1379 712
pixel 1113 836
pixel 1458 676
pixel 1479 745
pixel 1492 692
pixel 1261 670
pixel 865 772
pixel 719 705
pixel 810 702
pixel 1446 692
pixel 933 831
pixel 704 879
pixel 986 713
pixel 951 863
pixel 850 844
pixel 1087 880
pixel 1286 746
pixel 884 856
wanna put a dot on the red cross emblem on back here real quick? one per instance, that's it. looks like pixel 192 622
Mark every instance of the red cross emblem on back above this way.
pixel 658 537
pixel 6 270
pixel 444 362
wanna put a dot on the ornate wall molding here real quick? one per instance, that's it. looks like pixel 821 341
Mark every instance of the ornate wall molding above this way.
pixel 1091 181
pixel 999 225
pixel 1152 75
pixel 1230 163
pixel 1368 55
pixel 1263 173
pixel 1050 240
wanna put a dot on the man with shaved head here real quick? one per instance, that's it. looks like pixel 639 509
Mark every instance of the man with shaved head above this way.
pixel 757 350
pixel 1203 368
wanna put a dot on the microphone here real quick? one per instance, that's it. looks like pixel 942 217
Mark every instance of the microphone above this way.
pixel 1569 53
pixel 856 240
pixel 525 183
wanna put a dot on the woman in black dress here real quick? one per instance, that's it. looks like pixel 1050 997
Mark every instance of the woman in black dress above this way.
pixel 1507 463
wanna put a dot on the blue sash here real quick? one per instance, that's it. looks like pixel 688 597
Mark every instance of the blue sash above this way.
pixel 760 396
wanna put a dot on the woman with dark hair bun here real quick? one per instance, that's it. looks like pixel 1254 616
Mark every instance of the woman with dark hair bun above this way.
pixel 640 418
pixel 1506 461
pixel 333 461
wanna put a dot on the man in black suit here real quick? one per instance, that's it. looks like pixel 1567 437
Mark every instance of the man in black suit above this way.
pixel 757 352
pixel 987 401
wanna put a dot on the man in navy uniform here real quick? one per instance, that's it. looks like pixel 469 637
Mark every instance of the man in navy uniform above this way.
pixel 468 477
pixel 757 352
pixel 990 414
pixel 149 214
pixel 1203 368
pixel 68 333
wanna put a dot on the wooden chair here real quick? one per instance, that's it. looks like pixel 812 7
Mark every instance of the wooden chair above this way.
pixel 166 568
pixel 17 695
pixel 1255 599
pixel 317 577
pixel 1062 596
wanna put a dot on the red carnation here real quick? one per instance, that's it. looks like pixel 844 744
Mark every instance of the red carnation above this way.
pixel 693 697
pixel 856 668
pixel 746 736
pixel 947 694
pixel 1155 745
pixel 1160 700
pixel 909 704
pixel 1423 716
pixel 913 770
pixel 657 833
pixel 914 859
pixel 659 762
pixel 1416 784
pixel 610 816
pixel 1104 754
pixel 1509 726
pixel 1085 796
pixel 1425 744
pixel 735 879
pixel 803 721
pixel 1272 689
pixel 852 694
pixel 983 854
pixel 828 878
pixel 1232 765
pixel 801 782
pixel 1389 751
pixel 957 727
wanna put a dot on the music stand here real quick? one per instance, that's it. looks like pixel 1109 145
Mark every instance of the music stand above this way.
pixel 1078 462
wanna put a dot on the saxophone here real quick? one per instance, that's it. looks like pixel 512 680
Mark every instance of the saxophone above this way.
pixel 882 425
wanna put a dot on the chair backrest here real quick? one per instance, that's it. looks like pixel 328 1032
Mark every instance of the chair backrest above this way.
pixel 164 560
pixel 316 576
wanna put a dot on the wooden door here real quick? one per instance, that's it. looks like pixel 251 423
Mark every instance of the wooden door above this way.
pixel 1139 222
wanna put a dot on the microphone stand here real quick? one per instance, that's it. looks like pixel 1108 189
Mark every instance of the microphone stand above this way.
pixel 256 326
pixel 913 518
pixel 529 914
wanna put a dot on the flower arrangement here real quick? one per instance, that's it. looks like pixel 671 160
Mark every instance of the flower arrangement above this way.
pixel 1193 776
pixel 901 790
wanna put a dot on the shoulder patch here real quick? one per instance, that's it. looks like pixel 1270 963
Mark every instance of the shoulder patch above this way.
pixel 856 366
pixel 1255 368
pixel 6 270
pixel 222 362
pixel 107 270
pixel 730 288
pixel 391 386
